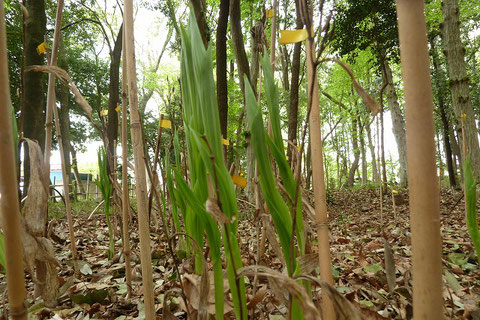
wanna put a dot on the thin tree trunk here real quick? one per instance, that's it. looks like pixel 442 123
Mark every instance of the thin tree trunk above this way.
pixel 293 106
pixel 221 52
pixel 199 9
pixel 138 153
pixel 125 197
pixel 33 113
pixel 113 100
pixel 439 78
pixel 356 152
pixel 9 204
pixel 398 122
pixel 363 152
pixel 424 194
pixel 62 93
pixel 459 86
pixel 243 71
pixel 372 154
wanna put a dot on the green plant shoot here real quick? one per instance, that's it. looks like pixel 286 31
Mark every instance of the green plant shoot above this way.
pixel 106 188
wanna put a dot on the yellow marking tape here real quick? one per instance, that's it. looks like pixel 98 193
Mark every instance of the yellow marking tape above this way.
pixel 166 124
pixel 239 181
pixel 293 36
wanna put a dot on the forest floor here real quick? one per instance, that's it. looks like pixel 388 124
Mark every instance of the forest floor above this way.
pixel 357 247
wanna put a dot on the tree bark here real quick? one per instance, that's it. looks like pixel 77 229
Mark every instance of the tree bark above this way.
pixel 398 123
pixel 221 52
pixel 258 41
pixel 62 93
pixel 199 9
pixel 34 110
pixel 221 69
pixel 293 107
pixel 375 174
pixel 113 99
pixel 439 78
pixel 363 152
pixel 459 82
pixel 243 70
pixel 356 152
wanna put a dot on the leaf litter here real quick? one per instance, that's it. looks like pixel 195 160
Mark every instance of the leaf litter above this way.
pixel 372 267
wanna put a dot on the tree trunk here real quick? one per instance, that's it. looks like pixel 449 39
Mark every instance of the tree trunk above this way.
pixel 363 152
pixel 199 9
pixel 34 110
pixel 243 70
pixel 62 93
pixel 113 99
pixel 398 123
pixel 356 152
pixel 459 86
pixel 375 175
pixel 258 41
pixel 293 107
pixel 439 78
pixel 221 52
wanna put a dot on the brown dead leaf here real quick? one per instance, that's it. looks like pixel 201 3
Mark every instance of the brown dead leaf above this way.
pixel 38 251
pixel 63 76
pixel 35 209
pixel 389 266
pixel 286 284
pixel 258 297
pixel 217 214
pixel 308 262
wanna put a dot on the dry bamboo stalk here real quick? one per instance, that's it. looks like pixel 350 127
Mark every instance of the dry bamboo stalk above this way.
pixel 424 194
pixel 273 35
pixel 51 88
pixel 141 181
pixel 114 192
pixel 52 111
pixel 321 216
pixel 9 207
pixel 125 197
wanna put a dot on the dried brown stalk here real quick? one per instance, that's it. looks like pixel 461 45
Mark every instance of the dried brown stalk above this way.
pixel 9 205
pixel 422 169
pixel 138 153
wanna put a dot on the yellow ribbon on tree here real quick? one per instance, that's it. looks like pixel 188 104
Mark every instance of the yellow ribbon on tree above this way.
pixel 42 48
pixel 293 36
pixel 239 181
pixel 166 124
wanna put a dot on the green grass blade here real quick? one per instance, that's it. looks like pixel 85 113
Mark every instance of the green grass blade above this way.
pixel 278 208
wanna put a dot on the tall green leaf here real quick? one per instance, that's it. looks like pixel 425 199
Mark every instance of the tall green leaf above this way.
pixel 106 188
